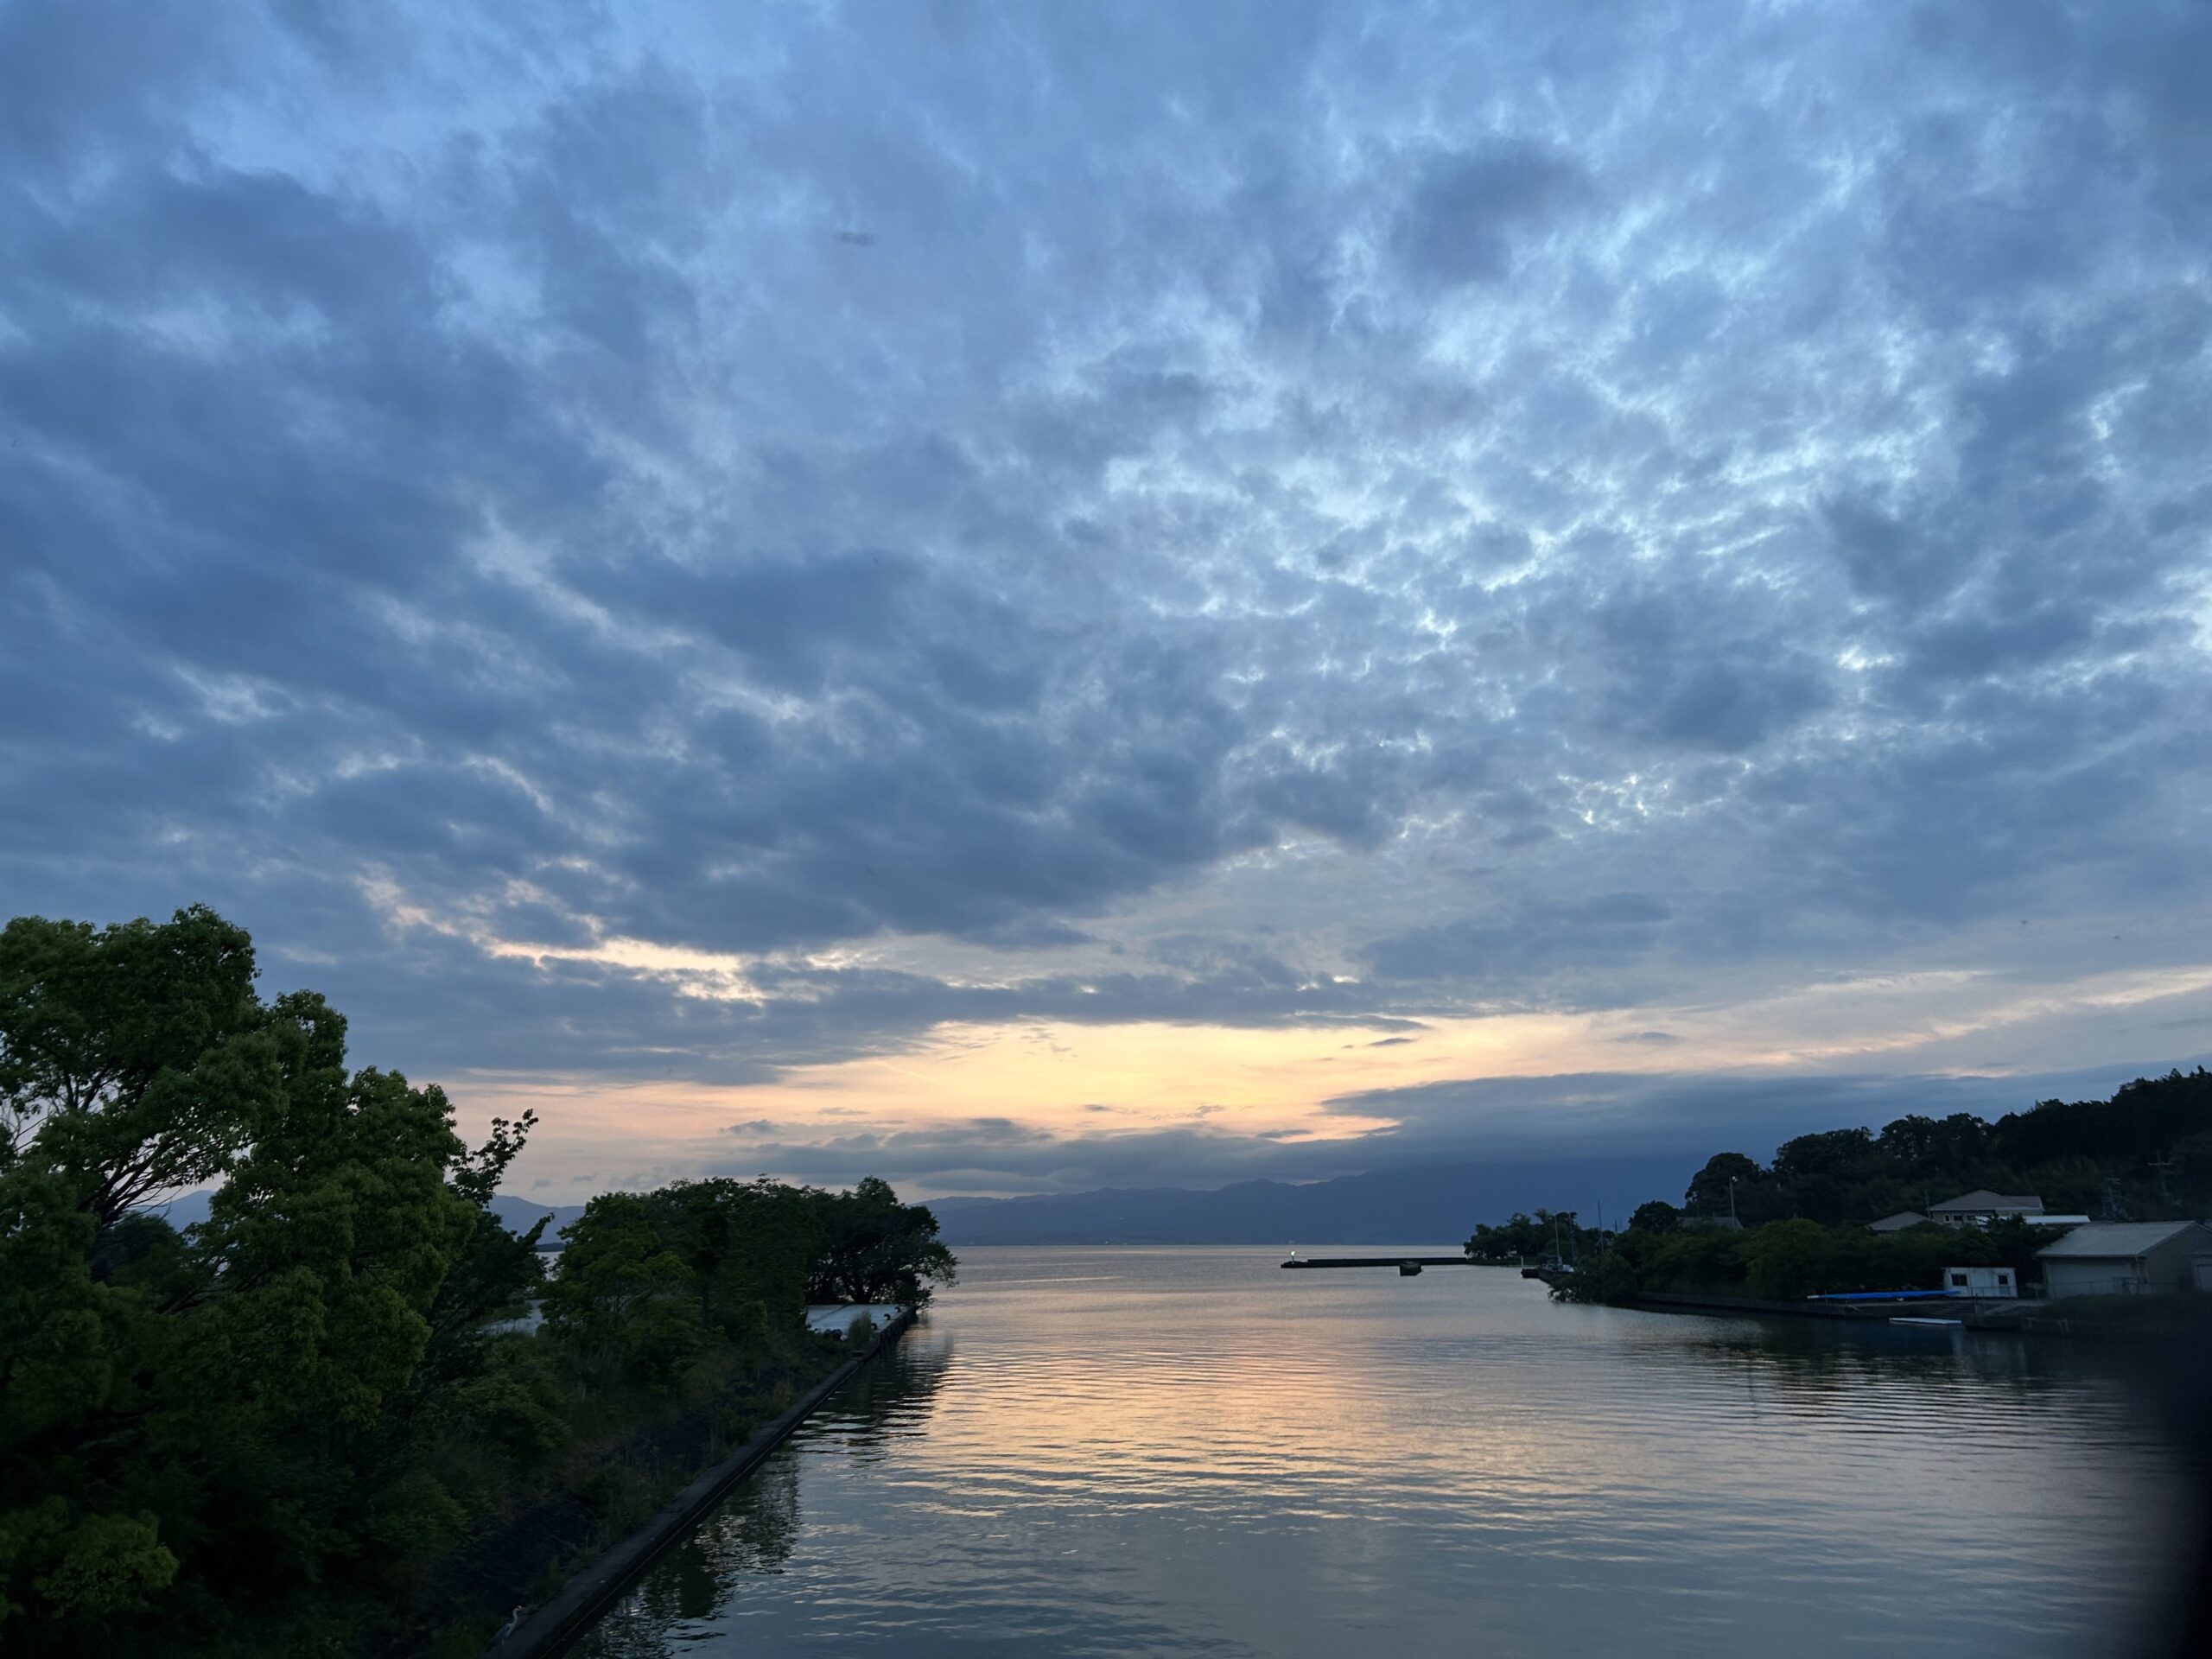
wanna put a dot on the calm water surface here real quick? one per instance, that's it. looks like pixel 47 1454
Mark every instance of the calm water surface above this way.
pixel 1129 1451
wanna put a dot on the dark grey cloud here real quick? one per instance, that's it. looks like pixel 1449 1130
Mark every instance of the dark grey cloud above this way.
pixel 1521 951
pixel 1467 207
pixel 1706 490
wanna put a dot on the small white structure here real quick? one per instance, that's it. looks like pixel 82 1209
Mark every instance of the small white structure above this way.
pixel 2126 1258
pixel 1983 1284
pixel 1982 1206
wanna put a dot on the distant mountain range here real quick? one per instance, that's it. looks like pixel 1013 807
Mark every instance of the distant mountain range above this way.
pixel 187 1211
pixel 1437 1204
pixel 1440 1202
pixel 517 1214
pixel 520 1215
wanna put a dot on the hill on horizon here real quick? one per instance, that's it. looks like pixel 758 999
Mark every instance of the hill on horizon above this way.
pixel 1439 1202
pixel 517 1215
pixel 1431 1204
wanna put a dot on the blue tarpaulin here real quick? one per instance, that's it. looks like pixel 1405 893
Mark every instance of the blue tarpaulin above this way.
pixel 1881 1296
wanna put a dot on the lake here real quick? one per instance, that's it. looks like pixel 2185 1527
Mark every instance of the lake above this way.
pixel 1131 1451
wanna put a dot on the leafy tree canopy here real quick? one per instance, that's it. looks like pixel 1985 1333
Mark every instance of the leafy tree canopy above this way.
pixel 242 1438
pixel 2144 1154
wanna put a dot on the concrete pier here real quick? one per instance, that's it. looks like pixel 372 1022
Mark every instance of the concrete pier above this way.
pixel 1407 1265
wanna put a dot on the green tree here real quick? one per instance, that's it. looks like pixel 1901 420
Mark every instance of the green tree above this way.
pixel 1697 1259
pixel 625 1300
pixel 877 1250
pixel 751 1246
pixel 136 1058
pixel 1785 1260
pixel 229 1431
pixel 1945 1149
pixel 1522 1238
pixel 245 1437
pixel 1708 1191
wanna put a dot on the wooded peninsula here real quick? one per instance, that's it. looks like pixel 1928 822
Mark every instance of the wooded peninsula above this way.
pixel 1800 1224
pixel 319 1421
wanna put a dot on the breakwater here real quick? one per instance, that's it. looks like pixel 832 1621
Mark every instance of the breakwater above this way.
pixel 1407 1265
pixel 552 1628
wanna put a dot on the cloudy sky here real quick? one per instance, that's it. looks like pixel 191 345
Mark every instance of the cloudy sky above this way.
pixel 1031 597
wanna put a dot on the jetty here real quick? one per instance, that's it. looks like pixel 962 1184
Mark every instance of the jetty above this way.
pixel 1408 1266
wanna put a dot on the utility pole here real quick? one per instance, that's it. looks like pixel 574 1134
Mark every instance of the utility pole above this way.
pixel 2166 1193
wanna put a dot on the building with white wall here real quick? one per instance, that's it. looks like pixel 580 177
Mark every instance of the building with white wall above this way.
pixel 1996 1284
pixel 2124 1258
pixel 1981 1207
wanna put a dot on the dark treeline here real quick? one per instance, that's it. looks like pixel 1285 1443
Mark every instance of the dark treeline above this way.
pixel 259 1435
pixel 2147 1152
pixel 1782 1260
pixel 2144 1154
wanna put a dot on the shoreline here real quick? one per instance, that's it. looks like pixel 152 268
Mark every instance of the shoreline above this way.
pixel 551 1629
pixel 2029 1317
pixel 1668 1301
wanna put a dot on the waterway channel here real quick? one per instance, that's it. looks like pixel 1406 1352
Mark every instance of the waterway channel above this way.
pixel 1147 1451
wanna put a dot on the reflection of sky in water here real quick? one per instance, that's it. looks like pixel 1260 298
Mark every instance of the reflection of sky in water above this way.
pixel 1124 1451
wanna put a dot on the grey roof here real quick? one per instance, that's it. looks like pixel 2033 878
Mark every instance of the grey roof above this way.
pixel 1897 1223
pixel 1983 1199
pixel 2119 1239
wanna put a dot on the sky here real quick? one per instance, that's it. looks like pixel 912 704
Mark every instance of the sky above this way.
pixel 1035 597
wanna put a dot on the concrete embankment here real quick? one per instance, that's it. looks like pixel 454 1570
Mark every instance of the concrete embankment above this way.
pixel 2168 1320
pixel 1667 1301
pixel 550 1630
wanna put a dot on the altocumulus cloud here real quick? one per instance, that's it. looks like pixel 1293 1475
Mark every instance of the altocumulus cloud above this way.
pixel 997 483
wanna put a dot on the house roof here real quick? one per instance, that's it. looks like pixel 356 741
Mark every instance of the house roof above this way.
pixel 2110 1240
pixel 1897 1223
pixel 1983 1199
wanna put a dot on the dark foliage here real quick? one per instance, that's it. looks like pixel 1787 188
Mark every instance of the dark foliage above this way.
pixel 247 1438
pixel 2147 1154
pixel 2144 1154
pixel 874 1248
pixel 1531 1239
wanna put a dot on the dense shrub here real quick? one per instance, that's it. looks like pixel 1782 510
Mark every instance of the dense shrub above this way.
pixel 1786 1259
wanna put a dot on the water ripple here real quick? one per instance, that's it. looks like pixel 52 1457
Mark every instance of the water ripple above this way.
pixel 1189 1452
